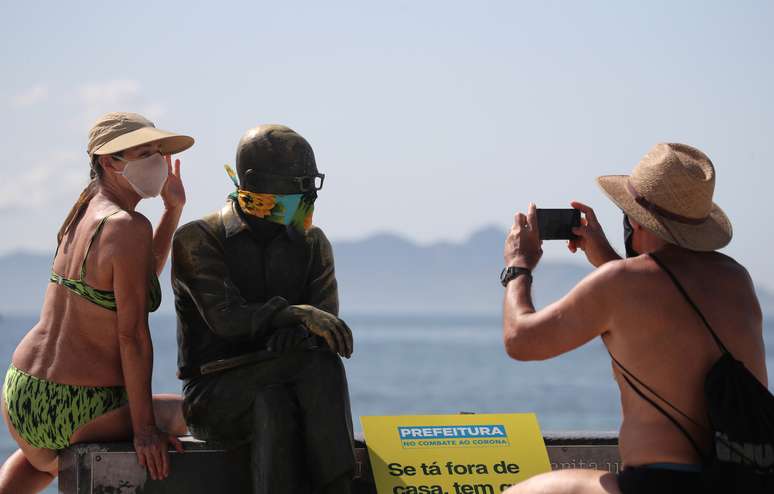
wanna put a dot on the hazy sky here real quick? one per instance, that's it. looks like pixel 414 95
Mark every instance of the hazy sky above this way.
pixel 430 119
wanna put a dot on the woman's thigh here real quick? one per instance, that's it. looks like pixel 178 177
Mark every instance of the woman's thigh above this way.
pixel 571 481
pixel 44 460
pixel 116 425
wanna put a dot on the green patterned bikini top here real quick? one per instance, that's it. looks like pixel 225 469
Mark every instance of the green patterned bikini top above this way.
pixel 103 298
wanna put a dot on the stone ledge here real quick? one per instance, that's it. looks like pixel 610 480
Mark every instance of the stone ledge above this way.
pixel 112 468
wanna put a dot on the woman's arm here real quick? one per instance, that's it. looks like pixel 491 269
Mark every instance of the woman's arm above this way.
pixel 162 238
pixel 131 248
pixel 173 195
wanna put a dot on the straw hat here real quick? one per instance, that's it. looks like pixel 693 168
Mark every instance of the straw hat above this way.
pixel 670 193
pixel 119 131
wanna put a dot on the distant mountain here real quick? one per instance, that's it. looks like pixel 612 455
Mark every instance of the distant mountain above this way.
pixel 25 277
pixel 386 273
pixel 382 274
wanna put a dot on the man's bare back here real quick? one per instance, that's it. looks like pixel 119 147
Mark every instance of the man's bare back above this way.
pixel 657 336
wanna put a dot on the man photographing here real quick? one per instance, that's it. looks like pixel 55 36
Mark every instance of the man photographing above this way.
pixel 662 347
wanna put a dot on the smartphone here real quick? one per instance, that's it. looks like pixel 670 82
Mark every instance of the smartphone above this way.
pixel 557 224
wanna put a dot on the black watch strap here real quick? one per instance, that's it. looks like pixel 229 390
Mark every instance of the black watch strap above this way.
pixel 512 272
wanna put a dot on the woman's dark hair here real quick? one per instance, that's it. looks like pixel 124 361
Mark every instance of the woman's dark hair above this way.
pixel 83 200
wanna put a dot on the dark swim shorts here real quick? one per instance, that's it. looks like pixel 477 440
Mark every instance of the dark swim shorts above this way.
pixel 662 479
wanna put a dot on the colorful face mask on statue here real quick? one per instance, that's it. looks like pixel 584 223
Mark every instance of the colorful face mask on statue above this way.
pixel 294 210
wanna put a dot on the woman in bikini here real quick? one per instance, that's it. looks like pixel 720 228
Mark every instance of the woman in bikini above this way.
pixel 83 373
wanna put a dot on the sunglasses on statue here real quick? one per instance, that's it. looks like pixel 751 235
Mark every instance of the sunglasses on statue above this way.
pixel 282 184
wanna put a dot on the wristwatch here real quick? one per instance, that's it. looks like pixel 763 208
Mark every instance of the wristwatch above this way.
pixel 512 272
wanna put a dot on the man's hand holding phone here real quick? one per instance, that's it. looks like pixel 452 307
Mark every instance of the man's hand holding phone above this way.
pixel 578 225
pixel 523 245
pixel 590 238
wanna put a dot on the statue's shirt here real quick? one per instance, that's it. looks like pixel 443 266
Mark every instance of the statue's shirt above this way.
pixel 229 282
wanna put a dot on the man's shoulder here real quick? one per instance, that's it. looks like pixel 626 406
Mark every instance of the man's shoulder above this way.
pixel 207 225
pixel 622 278
pixel 629 269
pixel 641 278
pixel 730 264
pixel 692 266
pixel 613 272
pixel 315 233
pixel 316 238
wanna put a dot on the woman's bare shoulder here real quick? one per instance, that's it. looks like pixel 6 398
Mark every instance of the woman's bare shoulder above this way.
pixel 127 230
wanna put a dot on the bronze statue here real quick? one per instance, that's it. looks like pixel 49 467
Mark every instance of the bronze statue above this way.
pixel 258 327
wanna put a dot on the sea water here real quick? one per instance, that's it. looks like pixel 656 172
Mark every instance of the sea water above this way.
pixel 431 365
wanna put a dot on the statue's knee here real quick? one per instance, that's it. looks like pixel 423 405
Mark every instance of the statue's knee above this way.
pixel 326 363
pixel 274 403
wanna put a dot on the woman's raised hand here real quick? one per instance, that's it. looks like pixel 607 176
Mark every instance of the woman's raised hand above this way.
pixel 173 192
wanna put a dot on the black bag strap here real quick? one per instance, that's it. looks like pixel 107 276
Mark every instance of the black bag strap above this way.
pixel 658 407
pixel 690 301
pixel 628 374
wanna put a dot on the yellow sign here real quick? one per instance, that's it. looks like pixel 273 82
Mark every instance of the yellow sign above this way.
pixel 454 454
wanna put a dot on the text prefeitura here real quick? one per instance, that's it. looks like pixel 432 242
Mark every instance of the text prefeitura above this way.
pixel 452 431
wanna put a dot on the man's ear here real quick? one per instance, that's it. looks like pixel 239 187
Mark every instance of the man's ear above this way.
pixel 635 225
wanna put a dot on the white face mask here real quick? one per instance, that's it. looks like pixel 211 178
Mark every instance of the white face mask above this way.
pixel 147 176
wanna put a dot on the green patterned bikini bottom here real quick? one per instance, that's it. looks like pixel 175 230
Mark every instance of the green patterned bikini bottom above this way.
pixel 46 414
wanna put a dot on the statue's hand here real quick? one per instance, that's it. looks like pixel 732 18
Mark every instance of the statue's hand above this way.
pixel 333 330
pixel 288 338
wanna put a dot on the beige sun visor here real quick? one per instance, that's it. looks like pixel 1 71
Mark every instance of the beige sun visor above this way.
pixel 171 143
